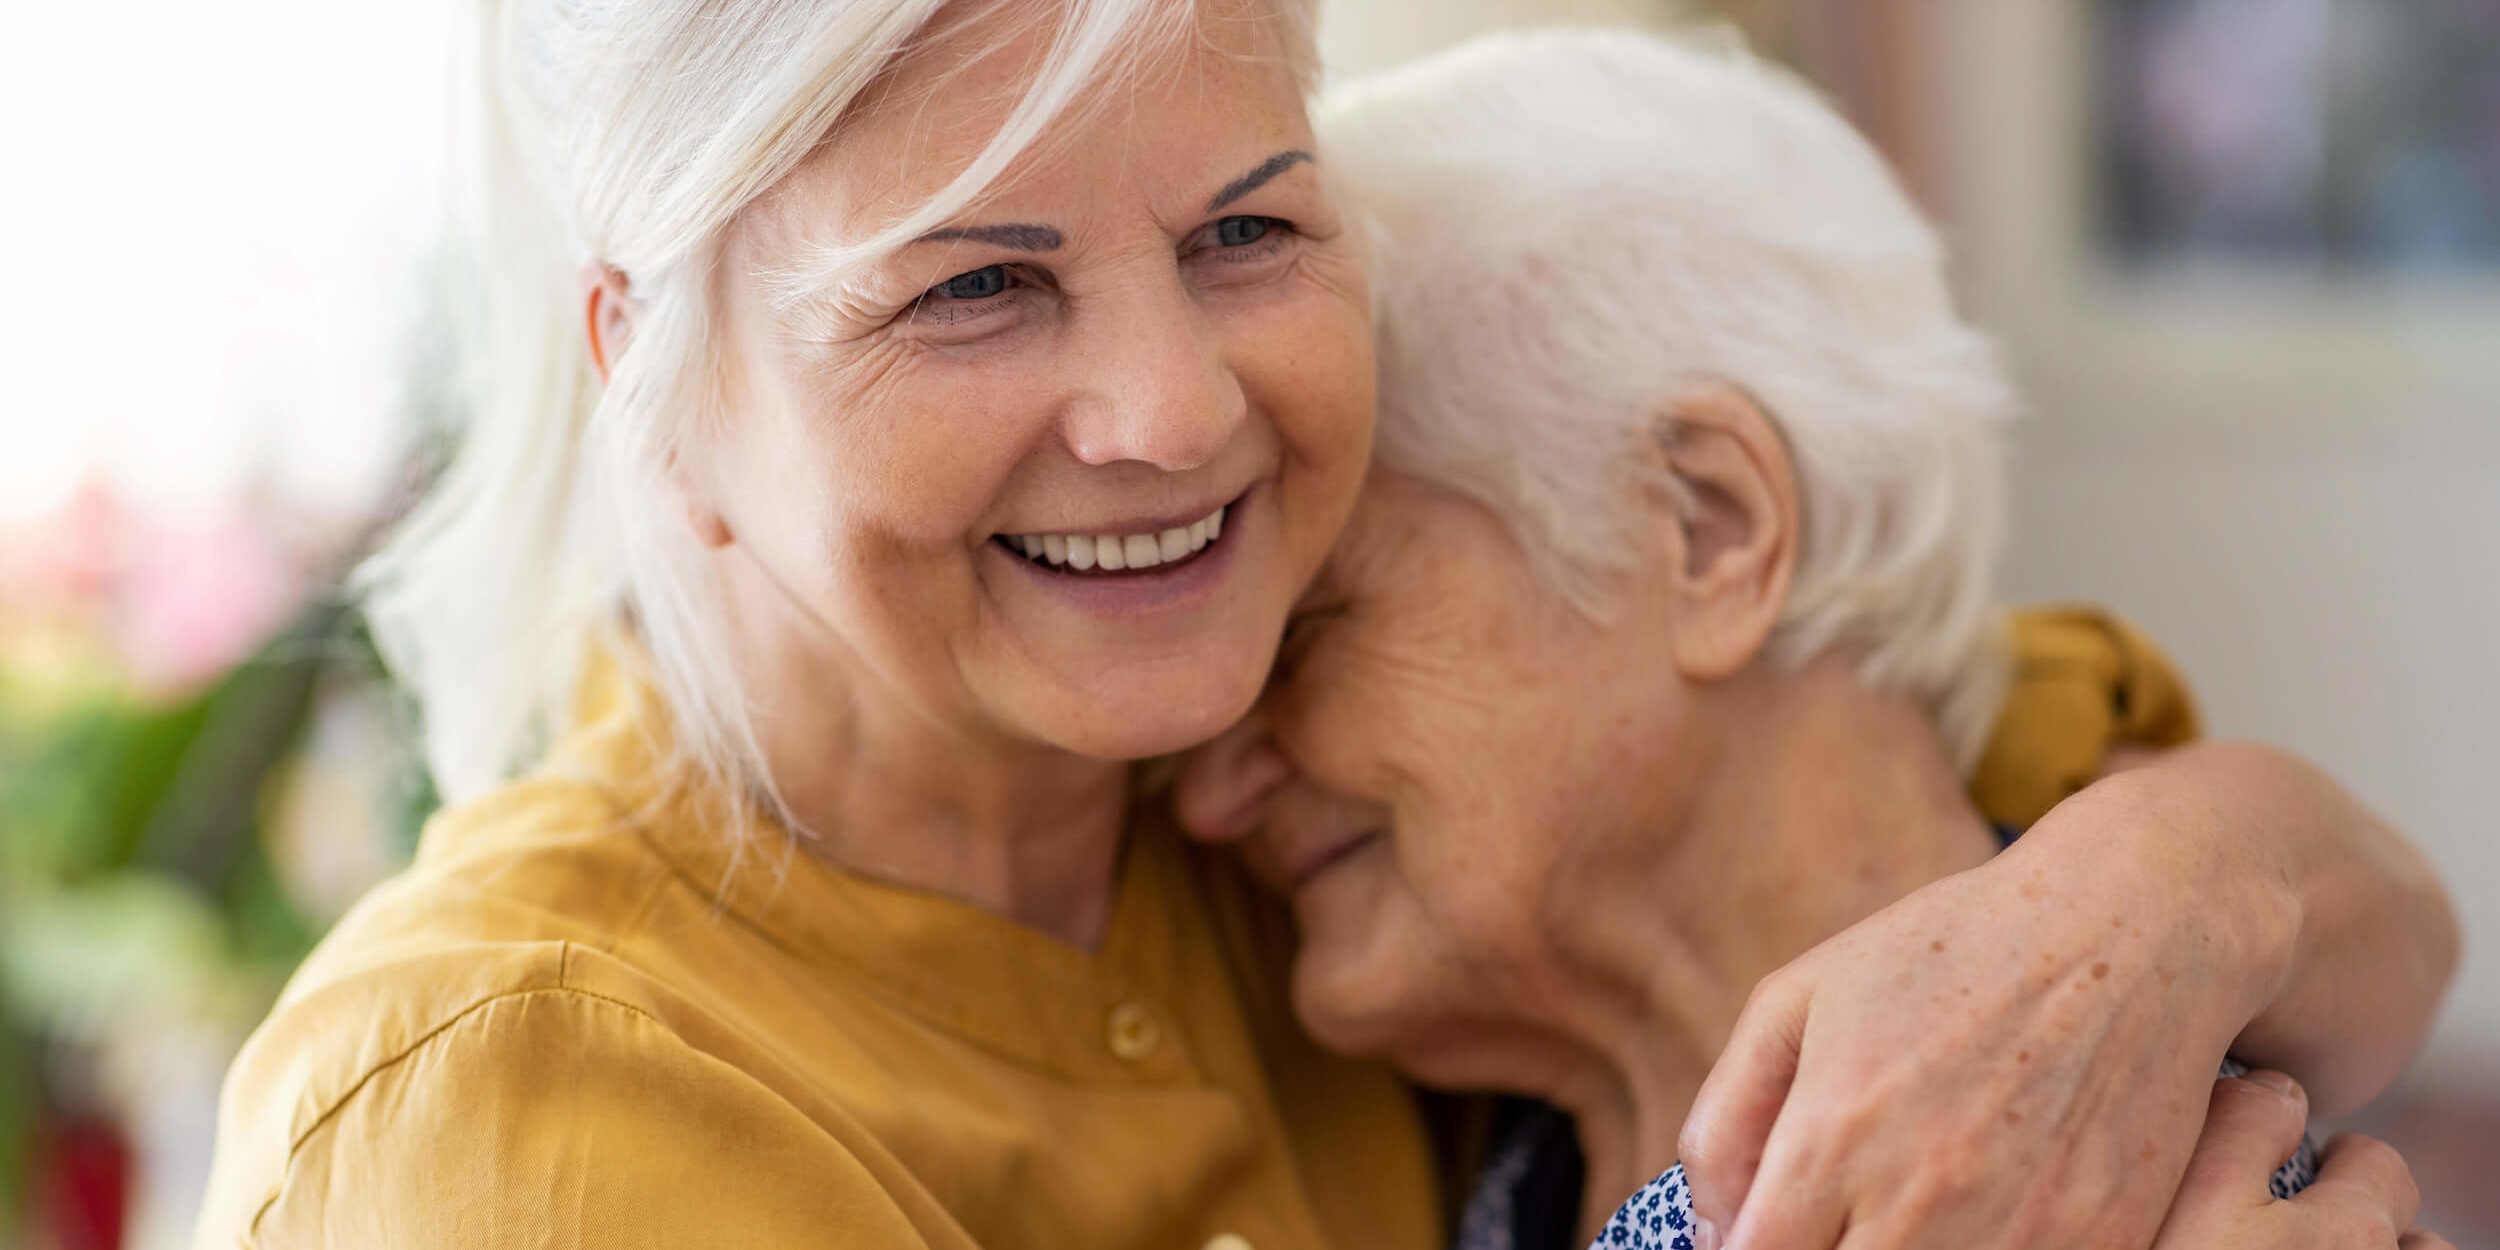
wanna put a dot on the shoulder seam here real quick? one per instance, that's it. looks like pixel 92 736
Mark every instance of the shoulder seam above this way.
pixel 294 1148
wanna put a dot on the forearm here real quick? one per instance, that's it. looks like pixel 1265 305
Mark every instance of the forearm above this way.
pixel 2372 935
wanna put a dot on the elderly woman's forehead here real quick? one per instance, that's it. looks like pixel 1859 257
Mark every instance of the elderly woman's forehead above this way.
pixel 1407 526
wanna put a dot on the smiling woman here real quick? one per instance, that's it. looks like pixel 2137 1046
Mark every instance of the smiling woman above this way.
pixel 897 416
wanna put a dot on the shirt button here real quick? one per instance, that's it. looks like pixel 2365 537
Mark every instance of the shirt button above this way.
pixel 1228 1241
pixel 1134 1035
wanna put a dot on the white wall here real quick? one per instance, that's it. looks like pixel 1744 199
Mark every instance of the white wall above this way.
pixel 2296 486
pixel 2331 587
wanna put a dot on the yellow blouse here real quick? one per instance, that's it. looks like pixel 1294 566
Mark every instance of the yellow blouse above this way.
pixel 2083 682
pixel 586 1017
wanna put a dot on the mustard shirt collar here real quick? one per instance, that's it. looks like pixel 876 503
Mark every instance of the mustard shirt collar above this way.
pixel 1001 984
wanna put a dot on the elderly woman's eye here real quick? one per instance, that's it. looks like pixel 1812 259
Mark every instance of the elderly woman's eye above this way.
pixel 975 297
pixel 1243 231
pixel 981 283
pixel 1240 238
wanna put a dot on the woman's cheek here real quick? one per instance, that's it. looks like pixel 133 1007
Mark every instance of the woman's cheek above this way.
pixel 1309 364
pixel 930 449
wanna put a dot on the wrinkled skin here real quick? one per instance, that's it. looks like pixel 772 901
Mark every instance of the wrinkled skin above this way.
pixel 1997 1050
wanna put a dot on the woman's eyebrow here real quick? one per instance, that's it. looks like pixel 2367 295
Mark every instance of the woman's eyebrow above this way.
pixel 1259 177
pixel 1029 237
pixel 1021 237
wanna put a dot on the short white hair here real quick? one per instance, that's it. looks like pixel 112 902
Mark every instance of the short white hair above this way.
pixel 1579 229
pixel 631 134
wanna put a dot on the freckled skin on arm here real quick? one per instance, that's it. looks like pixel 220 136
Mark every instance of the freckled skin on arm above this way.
pixel 2377 940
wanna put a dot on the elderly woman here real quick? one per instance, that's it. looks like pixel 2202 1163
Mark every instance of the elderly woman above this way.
pixel 897 417
pixel 1656 655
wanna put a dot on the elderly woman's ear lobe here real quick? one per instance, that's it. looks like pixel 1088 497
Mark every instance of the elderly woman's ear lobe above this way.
pixel 608 321
pixel 1732 530
pixel 710 528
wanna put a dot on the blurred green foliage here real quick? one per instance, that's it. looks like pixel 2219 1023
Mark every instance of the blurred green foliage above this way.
pixel 133 866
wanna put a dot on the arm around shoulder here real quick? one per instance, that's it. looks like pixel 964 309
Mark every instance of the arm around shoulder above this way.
pixel 2367 936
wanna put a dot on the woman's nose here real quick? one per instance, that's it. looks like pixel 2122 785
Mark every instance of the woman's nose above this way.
pixel 1227 786
pixel 1158 388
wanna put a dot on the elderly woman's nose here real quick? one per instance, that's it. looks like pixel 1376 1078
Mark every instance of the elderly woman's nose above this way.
pixel 1161 390
pixel 1227 786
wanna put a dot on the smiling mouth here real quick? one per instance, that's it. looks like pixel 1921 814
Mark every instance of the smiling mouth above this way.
pixel 1119 555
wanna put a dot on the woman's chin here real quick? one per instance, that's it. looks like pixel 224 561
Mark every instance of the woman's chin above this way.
pixel 1352 1008
pixel 1147 712
pixel 1135 742
pixel 1429 1047
pixel 1339 1021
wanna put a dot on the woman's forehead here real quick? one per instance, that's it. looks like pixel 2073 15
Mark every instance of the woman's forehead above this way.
pixel 1172 116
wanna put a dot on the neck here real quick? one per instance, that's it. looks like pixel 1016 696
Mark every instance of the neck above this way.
pixel 878 785
pixel 1820 804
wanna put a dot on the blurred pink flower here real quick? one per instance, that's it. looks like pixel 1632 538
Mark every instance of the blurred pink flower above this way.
pixel 179 599
pixel 67 562
pixel 194 599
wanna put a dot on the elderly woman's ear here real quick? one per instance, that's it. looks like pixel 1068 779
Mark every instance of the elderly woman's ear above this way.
pixel 1731 529
pixel 608 320
pixel 607 313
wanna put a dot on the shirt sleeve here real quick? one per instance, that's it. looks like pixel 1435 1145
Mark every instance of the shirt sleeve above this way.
pixel 2083 682
pixel 556 1118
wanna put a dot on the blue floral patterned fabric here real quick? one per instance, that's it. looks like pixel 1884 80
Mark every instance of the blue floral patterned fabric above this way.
pixel 1660 1217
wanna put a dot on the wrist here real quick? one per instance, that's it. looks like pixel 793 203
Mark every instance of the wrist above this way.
pixel 2219 913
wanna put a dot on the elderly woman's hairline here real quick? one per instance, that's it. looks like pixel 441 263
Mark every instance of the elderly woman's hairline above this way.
pixel 1517 390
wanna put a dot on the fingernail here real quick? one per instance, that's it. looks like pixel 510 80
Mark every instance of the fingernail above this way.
pixel 2272 1080
pixel 1705 1234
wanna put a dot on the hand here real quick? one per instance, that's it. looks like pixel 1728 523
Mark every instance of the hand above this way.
pixel 2015 1056
pixel 2363 1196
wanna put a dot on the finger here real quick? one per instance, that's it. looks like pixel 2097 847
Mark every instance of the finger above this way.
pixel 1796 1201
pixel 2420 1239
pixel 1730 1124
pixel 2368 1173
pixel 2252 1125
pixel 1225 787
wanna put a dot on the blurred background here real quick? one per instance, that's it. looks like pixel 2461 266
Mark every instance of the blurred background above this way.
pixel 2244 254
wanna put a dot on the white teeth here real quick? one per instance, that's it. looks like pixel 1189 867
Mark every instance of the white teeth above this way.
pixel 1117 552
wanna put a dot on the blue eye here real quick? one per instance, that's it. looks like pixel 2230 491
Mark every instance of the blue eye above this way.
pixel 978 284
pixel 1242 231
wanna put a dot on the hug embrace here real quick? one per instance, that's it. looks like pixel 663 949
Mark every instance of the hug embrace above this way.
pixel 1041 638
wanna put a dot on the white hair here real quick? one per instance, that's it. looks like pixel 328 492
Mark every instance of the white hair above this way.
pixel 1580 229
pixel 631 133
